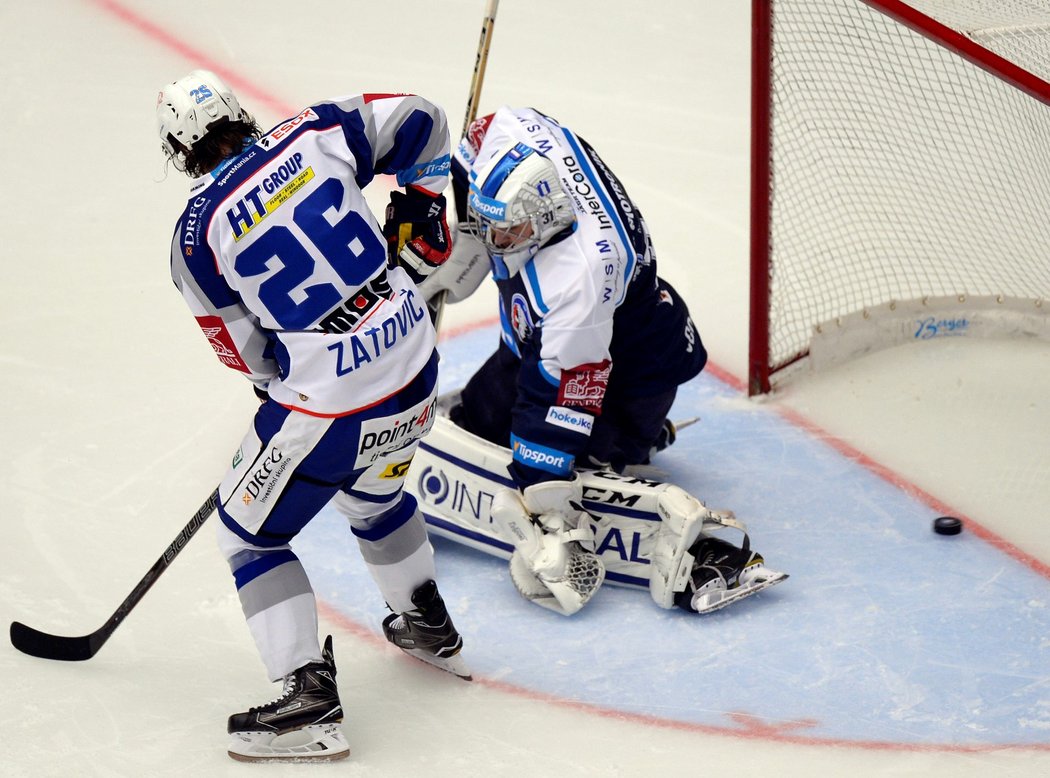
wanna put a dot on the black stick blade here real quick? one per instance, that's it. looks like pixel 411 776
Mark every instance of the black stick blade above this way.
pixel 35 643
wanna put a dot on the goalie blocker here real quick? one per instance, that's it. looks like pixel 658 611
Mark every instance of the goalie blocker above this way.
pixel 645 532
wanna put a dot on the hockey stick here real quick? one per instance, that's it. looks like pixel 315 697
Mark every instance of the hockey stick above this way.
pixel 77 649
pixel 479 63
pixel 437 307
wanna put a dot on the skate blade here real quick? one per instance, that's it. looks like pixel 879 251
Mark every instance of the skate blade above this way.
pixel 450 664
pixel 315 743
pixel 728 597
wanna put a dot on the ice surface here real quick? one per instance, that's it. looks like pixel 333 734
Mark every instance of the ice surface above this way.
pixel 890 651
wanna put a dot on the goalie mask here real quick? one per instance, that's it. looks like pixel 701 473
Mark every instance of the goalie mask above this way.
pixel 189 107
pixel 516 205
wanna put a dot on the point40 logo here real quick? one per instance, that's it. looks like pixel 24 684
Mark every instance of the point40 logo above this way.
pixel 386 434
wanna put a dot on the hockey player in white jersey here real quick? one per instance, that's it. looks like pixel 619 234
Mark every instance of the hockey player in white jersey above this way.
pixel 297 287
pixel 594 346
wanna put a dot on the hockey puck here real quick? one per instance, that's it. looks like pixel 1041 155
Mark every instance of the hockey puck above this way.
pixel 947 525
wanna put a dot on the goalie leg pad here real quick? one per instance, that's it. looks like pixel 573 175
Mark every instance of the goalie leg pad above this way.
pixel 682 518
pixel 685 520
pixel 642 537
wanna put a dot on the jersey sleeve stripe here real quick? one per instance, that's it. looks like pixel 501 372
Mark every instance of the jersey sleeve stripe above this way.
pixel 614 214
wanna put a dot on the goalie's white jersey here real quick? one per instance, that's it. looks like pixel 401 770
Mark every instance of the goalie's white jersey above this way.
pixel 581 280
pixel 587 314
pixel 278 242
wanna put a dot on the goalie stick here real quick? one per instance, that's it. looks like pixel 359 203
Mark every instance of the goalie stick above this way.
pixel 437 306
pixel 77 649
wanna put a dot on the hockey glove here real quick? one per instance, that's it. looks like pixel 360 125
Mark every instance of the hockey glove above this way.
pixel 416 232
pixel 462 274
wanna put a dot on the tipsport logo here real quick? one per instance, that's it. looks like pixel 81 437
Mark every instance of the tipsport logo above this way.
pixel 437 167
pixel 541 457
pixel 493 210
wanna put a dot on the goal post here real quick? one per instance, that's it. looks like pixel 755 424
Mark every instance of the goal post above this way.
pixel 900 176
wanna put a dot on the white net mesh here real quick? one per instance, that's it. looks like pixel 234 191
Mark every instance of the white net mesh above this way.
pixel 899 169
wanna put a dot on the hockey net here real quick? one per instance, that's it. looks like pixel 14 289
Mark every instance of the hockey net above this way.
pixel 900 176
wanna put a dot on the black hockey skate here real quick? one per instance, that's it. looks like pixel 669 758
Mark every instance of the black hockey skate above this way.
pixel 722 574
pixel 427 633
pixel 300 725
pixel 666 438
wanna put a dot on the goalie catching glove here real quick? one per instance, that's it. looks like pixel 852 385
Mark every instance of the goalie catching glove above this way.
pixel 416 232
pixel 553 564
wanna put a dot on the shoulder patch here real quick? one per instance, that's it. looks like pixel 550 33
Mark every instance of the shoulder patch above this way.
pixel 584 386
pixel 214 329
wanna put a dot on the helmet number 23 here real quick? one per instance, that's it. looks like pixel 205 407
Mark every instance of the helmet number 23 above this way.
pixel 351 247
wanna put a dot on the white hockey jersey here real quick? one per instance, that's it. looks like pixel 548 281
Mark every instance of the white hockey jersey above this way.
pixel 581 280
pixel 278 243
pixel 588 309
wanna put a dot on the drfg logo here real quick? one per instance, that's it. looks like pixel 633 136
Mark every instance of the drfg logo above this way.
pixel 386 434
pixel 263 478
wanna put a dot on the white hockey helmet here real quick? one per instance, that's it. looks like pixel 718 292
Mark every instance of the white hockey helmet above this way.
pixel 189 107
pixel 516 205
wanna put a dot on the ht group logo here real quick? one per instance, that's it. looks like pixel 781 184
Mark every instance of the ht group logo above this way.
pixel 274 189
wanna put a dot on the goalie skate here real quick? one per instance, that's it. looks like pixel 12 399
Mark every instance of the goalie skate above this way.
pixel 724 574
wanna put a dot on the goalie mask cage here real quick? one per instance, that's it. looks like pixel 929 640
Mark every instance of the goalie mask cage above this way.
pixel 900 182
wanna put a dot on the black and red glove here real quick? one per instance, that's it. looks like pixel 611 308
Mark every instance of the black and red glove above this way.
pixel 416 232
